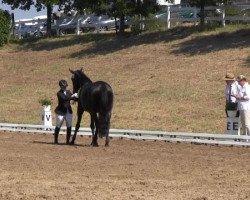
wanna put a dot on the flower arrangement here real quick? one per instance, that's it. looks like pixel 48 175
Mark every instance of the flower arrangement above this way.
pixel 45 101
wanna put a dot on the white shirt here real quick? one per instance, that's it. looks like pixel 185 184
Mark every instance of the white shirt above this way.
pixel 234 89
pixel 244 92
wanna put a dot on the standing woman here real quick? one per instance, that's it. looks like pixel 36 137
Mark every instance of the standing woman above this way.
pixel 63 110
pixel 243 98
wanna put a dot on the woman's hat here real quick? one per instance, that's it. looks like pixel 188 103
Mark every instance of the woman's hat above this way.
pixel 229 77
pixel 241 78
pixel 63 83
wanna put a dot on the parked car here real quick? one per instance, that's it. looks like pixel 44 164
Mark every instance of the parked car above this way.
pixel 29 31
pixel 67 26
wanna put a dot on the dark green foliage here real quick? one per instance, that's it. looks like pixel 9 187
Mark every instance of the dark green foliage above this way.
pixel 118 8
pixel 5 24
pixel 39 4
pixel 45 101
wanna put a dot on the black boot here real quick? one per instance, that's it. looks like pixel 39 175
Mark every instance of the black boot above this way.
pixel 56 135
pixel 68 134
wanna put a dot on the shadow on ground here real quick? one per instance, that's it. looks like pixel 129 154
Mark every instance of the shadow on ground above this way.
pixel 248 61
pixel 216 42
pixel 105 43
pixel 61 144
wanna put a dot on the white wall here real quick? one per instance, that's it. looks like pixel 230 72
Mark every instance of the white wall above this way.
pixel 166 2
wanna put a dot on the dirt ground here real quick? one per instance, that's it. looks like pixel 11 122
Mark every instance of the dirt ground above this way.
pixel 33 168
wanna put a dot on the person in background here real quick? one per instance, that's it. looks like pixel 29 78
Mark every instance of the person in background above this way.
pixel 63 110
pixel 231 88
pixel 243 97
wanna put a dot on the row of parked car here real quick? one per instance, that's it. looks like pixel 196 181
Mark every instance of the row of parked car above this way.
pixel 69 25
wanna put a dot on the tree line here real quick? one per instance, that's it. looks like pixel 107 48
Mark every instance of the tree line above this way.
pixel 116 8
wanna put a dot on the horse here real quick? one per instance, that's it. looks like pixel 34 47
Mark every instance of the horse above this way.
pixel 97 99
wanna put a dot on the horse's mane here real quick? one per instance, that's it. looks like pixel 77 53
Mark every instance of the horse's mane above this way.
pixel 83 77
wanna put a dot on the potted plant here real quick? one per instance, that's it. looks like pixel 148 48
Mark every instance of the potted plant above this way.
pixel 46 103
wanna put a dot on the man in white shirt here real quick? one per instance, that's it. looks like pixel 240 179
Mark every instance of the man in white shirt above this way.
pixel 243 97
pixel 230 89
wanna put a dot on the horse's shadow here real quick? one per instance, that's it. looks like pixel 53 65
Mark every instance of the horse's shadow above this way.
pixel 61 144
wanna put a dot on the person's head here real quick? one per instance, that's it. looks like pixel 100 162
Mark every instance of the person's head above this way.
pixel 63 84
pixel 229 78
pixel 241 80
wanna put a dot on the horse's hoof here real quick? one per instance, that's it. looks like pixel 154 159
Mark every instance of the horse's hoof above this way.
pixel 95 145
pixel 72 143
pixel 107 145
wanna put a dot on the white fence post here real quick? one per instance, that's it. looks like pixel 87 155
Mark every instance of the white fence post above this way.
pixel 78 27
pixel 168 17
pixel 223 22
pixel 19 30
pixel 195 16
pixel 38 26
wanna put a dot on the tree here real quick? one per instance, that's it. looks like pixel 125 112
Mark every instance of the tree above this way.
pixel 201 4
pixel 39 4
pixel 5 25
pixel 118 8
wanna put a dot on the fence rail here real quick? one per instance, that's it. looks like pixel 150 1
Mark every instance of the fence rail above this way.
pixel 199 138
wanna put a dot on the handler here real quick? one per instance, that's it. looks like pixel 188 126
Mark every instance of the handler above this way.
pixel 63 110
pixel 231 88
pixel 243 97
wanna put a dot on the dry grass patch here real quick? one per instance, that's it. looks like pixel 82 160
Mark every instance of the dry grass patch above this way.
pixel 161 80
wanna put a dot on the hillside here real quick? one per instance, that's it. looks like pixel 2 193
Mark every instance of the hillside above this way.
pixel 169 80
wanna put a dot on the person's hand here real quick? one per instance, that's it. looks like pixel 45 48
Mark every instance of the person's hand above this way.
pixel 234 95
pixel 75 95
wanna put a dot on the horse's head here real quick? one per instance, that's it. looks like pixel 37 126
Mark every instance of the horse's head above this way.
pixel 75 80
pixel 78 79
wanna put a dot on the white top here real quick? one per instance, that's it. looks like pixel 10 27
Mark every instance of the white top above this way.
pixel 234 89
pixel 244 104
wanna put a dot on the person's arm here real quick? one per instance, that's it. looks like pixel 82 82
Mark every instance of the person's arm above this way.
pixel 64 97
pixel 247 94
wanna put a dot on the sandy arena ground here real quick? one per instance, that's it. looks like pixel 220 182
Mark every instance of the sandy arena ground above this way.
pixel 33 168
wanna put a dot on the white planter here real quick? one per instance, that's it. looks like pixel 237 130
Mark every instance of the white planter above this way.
pixel 46 117
pixel 47 108
pixel 232 126
pixel 231 113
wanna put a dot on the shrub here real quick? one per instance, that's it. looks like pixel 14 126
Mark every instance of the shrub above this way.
pixel 45 101
pixel 153 24
pixel 5 24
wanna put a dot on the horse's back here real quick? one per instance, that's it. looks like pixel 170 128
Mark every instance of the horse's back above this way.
pixel 98 97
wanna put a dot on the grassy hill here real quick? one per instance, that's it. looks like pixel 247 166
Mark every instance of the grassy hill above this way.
pixel 169 80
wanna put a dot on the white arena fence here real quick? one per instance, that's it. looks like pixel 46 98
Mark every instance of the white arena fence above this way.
pixel 171 17
pixel 196 138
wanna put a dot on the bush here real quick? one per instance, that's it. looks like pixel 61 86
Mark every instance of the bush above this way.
pixel 153 24
pixel 150 24
pixel 5 24
pixel 135 29
pixel 45 101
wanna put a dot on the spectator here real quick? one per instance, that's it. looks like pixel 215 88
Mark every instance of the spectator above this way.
pixel 243 97
pixel 231 88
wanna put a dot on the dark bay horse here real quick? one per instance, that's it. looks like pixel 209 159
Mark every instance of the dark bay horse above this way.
pixel 95 98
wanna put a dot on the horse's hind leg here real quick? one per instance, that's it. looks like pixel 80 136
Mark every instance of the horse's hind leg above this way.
pixel 92 126
pixel 107 133
pixel 79 118
pixel 94 138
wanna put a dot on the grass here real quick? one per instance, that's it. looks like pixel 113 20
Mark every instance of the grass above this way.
pixel 166 80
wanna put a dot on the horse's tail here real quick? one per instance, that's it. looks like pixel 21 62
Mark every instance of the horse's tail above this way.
pixel 106 105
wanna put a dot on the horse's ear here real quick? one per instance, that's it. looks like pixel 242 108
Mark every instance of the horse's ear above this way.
pixel 81 69
pixel 72 71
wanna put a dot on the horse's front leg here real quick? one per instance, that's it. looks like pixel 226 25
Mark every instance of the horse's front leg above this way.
pixel 94 139
pixel 79 118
